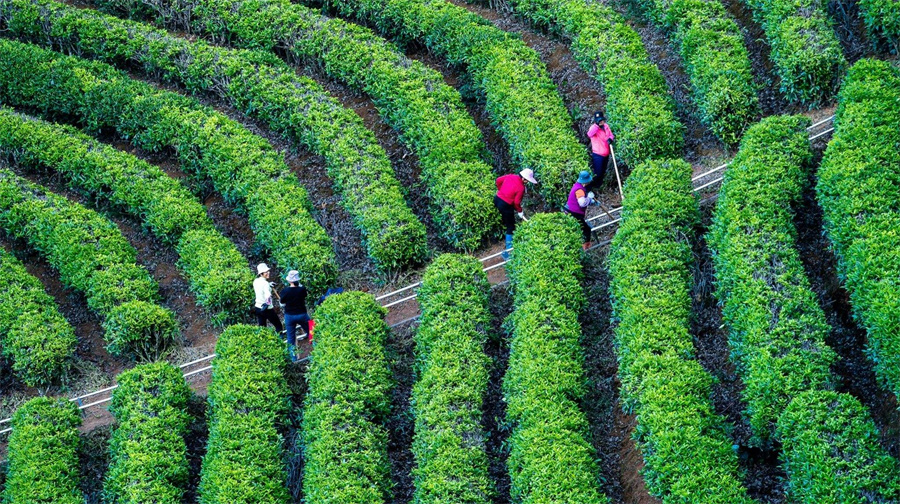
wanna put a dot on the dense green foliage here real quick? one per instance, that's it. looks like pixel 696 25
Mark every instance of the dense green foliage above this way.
pixel 638 105
pixel 410 97
pixel 148 450
pixel 242 166
pixel 33 335
pixel 452 370
pixel 263 87
pixel 688 455
pixel 882 19
pixel 859 191
pixel 248 402
pixel 94 258
pixel 776 328
pixel 344 438
pixel 217 272
pixel 43 454
pixel 716 61
pixel 550 458
pixel 522 101
pixel 832 453
pixel 805 50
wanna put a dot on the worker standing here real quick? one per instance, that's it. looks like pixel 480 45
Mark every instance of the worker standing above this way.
pixel 510 191
pixel 601 137
pixel 293 298
pixel 263 307
pixel 576 206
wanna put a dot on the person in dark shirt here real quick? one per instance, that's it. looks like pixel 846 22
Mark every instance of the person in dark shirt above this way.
pixel 293 298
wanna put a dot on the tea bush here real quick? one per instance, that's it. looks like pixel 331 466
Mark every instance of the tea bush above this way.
pixel 882 19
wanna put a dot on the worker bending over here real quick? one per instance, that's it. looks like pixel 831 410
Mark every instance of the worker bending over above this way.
pixel 601 137
pixel 579 199
pixel 510 190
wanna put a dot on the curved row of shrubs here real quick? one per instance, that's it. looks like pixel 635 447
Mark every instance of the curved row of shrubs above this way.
pixel 248 402
pixel 344 438
pixel 43 463
pixel 452 370
pixel 778 329
pixel 778 353
pixel 522 101
pixel 805 50
pixel 882 19
pixel 217 272
pixel 263 87
pixel 410 97
pixel 242 166
pixel 550 458
pixel 37 339
pixel 638 104
pixel 94 258
pixel 860 197
pixel 715 59
pixel 148 450
pixel 688 455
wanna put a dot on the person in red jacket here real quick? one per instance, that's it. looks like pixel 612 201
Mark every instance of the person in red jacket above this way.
pixel 510 190
pixel 601 137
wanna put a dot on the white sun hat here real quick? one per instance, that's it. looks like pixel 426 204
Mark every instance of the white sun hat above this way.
pixel 261 268
pixel 528 174
pixel 293 276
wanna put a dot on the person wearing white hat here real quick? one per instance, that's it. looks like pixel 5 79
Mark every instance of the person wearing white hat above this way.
pixel 510 191
pixel 263 307
pixel 293 298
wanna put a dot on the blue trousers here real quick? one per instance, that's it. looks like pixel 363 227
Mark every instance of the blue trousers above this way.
pixel 290 322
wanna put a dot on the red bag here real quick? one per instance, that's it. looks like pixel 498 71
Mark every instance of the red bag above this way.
pixel 312 325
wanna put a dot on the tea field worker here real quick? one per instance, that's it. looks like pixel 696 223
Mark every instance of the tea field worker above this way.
pixel 293 299
pixel 510 190
pixel 576 206
pixel 263 307
pixel 601 137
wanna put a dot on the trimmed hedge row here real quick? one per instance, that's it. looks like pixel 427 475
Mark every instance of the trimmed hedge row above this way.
pixel 859 192
pixel 778 352
pixel 43 453
pixel 39 341
pixel 217 272
pixel 715 59
pixel 248 400
pixel 263 87
pixel 344 439
pixel 94 258
pixel 638 104
pixel 523 102
pixel 242 166
pixel 805 50
pixel 550 458
pixel 452 370
pixel 831 452
pixel 412 98
pixel 882 19
pixel 688 456
pixel 148 450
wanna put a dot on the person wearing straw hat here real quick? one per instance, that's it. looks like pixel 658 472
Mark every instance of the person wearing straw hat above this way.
pixel 576 206
pixel 293 299
pixel 601 137
pixel 263 307
pixel 508 200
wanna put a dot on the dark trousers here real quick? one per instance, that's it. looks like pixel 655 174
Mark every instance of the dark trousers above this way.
pixel 598 165
pixel 507 213
pixel 585 228
pixel 263 316
pixel 291 321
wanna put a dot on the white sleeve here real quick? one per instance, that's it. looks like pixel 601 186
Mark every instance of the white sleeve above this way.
pixel 584 201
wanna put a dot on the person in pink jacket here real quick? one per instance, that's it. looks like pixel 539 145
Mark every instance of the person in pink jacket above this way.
pixel 508 200
pixel 601 137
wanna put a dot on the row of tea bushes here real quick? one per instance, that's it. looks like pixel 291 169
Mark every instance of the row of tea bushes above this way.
pixel 882 19
pixel 37 339
pixel 263 87
pixel 93 258
pixel 217 273
pixel 412 98
pixel 242 167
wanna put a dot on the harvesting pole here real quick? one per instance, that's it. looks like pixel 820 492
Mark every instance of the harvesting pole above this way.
pixel 616 168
